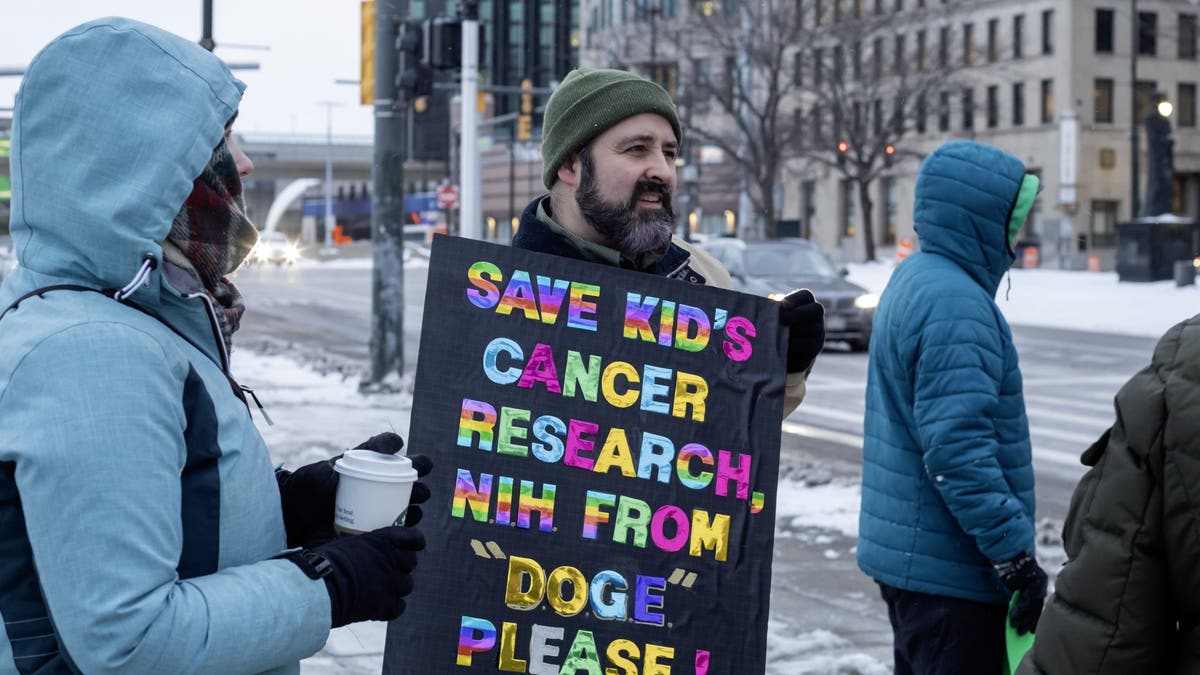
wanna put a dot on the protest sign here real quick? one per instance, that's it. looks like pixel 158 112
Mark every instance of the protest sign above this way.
pixel 606 449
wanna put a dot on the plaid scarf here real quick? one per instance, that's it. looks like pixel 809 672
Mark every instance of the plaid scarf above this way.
pixel 209 239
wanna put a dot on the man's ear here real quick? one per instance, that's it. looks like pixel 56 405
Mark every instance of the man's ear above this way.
pixel 569 171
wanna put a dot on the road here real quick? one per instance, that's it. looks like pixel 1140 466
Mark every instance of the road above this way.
pixel 1070 380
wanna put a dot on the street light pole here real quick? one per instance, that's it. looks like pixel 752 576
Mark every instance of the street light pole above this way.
pixel 206 38
pixel 1134 198
pixel 329 220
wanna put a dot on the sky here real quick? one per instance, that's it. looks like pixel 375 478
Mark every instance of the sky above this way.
pixel 311 44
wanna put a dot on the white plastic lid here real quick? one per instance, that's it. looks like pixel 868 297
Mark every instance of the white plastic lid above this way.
pixel 375 466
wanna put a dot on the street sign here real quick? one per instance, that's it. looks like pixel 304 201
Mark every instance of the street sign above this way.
pixel 447 196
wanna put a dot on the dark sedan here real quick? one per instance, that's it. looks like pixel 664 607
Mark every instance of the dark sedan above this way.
pixel 772 268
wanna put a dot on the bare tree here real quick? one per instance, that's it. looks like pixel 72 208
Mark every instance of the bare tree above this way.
pixel 838 83
pixel 873 79
pixel 750 96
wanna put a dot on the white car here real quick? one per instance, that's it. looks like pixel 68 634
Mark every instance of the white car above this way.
pixel 274 247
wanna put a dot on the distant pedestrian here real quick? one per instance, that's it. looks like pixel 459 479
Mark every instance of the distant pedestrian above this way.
pixel 609 148
pixel 143 528
pixel 1128 599
pixel 946 526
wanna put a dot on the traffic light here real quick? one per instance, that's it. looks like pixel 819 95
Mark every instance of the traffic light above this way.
pixel 414 77
pixel 443 43
pixel 842 148
pixel 525 119
pixel 889 153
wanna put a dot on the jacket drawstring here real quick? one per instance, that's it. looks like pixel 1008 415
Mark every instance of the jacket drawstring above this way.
pixel 142 278
pixel 1008 275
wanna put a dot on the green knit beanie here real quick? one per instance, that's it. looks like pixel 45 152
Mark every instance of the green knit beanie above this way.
pixel 587 103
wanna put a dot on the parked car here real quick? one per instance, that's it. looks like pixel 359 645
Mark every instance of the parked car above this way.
pixel 274 247
pixel 772 268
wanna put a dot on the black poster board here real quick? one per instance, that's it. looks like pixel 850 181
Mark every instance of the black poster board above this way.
pixel 606 450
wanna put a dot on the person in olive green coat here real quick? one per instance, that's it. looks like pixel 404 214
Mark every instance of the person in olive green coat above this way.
pixel 1128 599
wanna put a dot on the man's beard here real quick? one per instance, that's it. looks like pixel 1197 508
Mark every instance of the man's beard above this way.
pixel 629 231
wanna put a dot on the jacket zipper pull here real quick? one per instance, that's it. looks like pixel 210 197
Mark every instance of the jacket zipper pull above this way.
pixel 258 403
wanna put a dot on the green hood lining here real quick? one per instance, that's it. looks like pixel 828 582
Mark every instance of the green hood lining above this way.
pixel 1026 196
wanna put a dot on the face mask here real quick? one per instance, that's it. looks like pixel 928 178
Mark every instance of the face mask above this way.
pixel 211 228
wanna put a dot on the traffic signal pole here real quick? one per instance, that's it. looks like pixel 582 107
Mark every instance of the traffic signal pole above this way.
pixel 470 213
pixel 387 209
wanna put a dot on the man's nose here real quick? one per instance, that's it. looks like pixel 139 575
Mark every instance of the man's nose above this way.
pixel 661 170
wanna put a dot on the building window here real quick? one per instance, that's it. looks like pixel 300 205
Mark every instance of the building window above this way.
pixel 1047 101
pixel 877 59
pixel 1147 33
pixel 922 61
pixel 993 107
pixel 968 109
pixel 899 5
pixel 968 43
pixel 1102 231
pixel 944 111
pixel 847 189
pixel 1104 31
pixel 922 113
pixel 839 63
pixel 818 122
pixel 944 46
pixel 856 53
pixel 901 57
pixel 890 211
pixel 1102 101
pixel 877 113
pixel 798 68
pixel 993 39
pixel 1187 37
pixel 808 202
pixel 1186 105
pixel 818 66
pixel 1018 103
pixel 1018 36
pixel 1048 31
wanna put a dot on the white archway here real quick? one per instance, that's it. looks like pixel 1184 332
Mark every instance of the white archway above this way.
pixel 285 198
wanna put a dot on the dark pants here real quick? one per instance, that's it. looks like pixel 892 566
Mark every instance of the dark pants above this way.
pixel 940 635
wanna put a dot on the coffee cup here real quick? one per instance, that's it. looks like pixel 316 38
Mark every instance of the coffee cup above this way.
pixel 373 491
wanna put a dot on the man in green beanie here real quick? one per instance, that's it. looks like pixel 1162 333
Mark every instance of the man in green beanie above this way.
pixel 610 139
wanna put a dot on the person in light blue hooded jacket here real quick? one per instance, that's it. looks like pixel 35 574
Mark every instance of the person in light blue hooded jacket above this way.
pixel 143 528
pixel 946 526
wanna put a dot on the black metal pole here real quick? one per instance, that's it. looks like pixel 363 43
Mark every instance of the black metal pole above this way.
pixel 387 207
pixel 206 38
pixel 1134 197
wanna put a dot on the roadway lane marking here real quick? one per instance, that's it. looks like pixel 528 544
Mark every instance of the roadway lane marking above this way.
pixel 856 442
pixel 1082 440
pixel 1100 412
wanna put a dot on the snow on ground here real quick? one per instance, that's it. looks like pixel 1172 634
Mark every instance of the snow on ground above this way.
pixel 818 652
pixel 1087 301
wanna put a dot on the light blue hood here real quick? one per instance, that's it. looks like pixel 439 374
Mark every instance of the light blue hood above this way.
pixel 113 122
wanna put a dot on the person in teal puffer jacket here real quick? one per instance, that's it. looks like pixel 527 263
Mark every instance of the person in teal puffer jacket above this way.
pixel 946 526
pixel 143 528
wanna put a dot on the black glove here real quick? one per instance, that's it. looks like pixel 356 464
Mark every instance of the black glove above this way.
pixel 368 575
pixel 1023 574
pixel 805 319
pixel 307 494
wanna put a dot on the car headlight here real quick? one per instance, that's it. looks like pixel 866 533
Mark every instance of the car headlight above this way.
pixel 291 252
pixel 867 301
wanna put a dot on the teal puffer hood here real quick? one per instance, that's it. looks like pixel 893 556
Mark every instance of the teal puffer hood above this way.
pixel 964 197
pixel 101 164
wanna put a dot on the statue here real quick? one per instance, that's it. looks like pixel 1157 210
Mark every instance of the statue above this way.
pixel 1160 172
